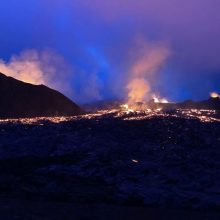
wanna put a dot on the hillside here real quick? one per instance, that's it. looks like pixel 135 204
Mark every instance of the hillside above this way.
pixel 19 100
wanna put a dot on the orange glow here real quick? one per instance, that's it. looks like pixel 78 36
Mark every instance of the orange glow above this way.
pixel 206 116
pixel 127 108
pixel 148 59
pixel 138 88
pixel 159 100
pixel 214 95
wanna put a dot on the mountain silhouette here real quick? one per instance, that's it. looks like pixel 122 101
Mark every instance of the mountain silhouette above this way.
pixel 19 100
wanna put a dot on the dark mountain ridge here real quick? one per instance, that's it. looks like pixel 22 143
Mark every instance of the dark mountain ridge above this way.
pixel 19 100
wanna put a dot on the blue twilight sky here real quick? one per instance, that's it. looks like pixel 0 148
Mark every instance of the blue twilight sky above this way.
pixel 99 41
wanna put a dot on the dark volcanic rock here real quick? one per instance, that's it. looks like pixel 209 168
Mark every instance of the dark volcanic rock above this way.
pixel 157 162
pixel 211 103
pixel 19 99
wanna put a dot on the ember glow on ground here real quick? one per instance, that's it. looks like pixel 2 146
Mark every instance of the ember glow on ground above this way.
pixel 202 115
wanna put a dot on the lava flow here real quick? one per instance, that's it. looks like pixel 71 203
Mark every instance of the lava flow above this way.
pixel 127 113
pixel 156 108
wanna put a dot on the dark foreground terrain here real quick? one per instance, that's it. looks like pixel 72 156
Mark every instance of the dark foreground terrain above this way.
pixel 167 166
pixel 17 209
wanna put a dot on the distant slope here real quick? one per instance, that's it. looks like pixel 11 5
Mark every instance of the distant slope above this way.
pixel 211 103
pixel 19 99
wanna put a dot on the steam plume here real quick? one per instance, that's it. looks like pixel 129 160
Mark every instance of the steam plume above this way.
pixel 149 60
pixel 44 67
pixel 49 68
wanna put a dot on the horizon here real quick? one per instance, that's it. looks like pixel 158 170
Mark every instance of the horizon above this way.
pixel 212 95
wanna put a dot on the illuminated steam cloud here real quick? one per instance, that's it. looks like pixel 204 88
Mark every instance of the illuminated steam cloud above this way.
pixel 36 67
pixel 149 61
pixel 48 68
pixel 44 67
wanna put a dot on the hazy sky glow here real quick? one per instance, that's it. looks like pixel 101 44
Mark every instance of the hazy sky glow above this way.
pixel 100 42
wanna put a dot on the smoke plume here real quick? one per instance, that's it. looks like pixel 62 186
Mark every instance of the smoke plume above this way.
pixel 39 67
pixel 150 58
pixel 49 68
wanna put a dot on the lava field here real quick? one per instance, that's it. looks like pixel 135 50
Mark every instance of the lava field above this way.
pixel 152 158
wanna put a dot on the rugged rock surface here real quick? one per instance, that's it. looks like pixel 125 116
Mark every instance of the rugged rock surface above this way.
pixel 19 99
pixel 157 162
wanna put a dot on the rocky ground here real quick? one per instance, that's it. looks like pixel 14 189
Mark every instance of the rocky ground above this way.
pixel 17 209
pixel 166 162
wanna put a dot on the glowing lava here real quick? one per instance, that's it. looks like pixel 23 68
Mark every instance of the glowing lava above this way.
pixel 126 108
pixel 214 95
pixel 159 100
pixel 202 115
